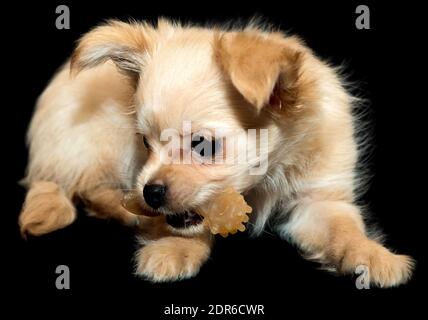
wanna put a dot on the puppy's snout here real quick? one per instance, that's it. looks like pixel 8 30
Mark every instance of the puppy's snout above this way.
pixel 155 195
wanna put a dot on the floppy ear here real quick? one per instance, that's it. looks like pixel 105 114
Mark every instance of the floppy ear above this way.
pixel 123 43
pixel 262 66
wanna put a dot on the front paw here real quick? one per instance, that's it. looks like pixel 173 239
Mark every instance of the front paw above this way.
pixel 386 269
pixel 171 259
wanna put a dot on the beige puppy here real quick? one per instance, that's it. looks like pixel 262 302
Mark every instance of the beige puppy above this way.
pixel 96 133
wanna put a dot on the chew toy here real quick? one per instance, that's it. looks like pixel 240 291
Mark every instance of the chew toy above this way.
pixel 226 213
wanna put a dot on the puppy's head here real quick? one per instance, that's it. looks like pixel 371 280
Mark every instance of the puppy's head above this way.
pixel 207 104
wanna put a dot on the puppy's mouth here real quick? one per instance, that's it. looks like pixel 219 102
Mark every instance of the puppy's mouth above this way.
pixel 184 219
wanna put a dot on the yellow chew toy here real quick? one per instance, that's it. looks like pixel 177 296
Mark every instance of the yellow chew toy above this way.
pixel 226 213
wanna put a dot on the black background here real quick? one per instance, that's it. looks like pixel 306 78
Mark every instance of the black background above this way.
pixel 385 63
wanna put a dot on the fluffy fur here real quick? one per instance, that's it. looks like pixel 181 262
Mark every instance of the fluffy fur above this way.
pixel 125 80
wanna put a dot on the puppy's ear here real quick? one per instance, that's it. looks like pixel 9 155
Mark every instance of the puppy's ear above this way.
pixel 123 43
pixel 262 66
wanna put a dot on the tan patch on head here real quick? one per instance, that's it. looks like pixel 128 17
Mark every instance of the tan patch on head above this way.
pixel 123 43
pixel 256 61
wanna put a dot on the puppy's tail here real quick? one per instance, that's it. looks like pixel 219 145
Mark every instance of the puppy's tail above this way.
pixel 46 208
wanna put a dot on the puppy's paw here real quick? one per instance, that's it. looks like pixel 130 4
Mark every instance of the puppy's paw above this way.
pixel 46 209
pixel 171 259
pixel 386 269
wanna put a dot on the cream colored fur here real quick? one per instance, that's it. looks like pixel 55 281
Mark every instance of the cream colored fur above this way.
pixel 128 80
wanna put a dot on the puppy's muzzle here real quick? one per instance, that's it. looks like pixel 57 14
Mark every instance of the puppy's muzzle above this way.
pixel 154 196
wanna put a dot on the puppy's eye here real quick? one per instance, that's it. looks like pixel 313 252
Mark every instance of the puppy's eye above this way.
pixel 204 147
pixel 146 143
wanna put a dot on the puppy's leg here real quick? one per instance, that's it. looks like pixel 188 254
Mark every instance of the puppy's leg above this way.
pixel 105 203
pixel 173 258
pixel 333 232
pixel 46 209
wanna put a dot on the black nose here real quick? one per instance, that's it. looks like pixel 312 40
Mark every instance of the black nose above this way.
pixel 154 194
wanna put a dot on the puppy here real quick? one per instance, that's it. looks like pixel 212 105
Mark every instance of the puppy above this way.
pixel 97 129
